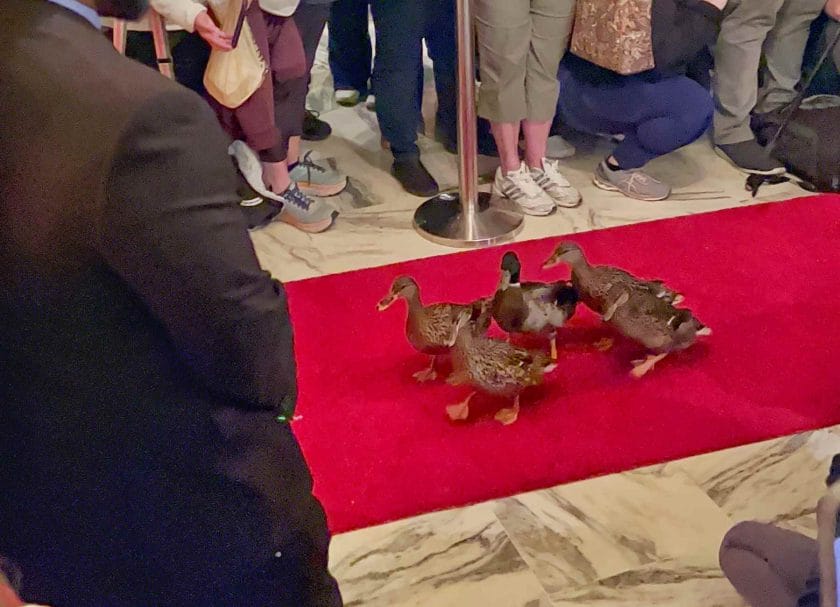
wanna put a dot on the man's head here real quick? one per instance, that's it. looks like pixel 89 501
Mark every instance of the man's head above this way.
pixel 120 9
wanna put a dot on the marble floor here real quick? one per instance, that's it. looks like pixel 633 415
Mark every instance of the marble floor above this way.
pixel 644 537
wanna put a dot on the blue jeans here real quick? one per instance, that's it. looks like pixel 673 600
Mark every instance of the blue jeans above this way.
pixel 655 117
pixel 350 46
pixel 400 27
pixel 441 43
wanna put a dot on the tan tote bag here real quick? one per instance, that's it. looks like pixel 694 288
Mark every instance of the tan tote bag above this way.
pixel 233 76
pixel 614 34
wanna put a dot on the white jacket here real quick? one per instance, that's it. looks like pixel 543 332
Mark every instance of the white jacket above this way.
pixel 181 14
pixel 177 14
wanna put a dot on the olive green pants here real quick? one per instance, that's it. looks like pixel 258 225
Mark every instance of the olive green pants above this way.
pixel 780 29
pixel 520 45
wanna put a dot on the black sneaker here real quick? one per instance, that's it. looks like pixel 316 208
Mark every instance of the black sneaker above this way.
pixel 414 177
pixel 315 129
pixel 258 213
pixel 749 157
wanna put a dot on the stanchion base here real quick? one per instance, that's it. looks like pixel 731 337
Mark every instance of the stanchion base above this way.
pixel 440 220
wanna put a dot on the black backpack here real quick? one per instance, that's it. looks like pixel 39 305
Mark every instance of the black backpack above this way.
pixel 805 136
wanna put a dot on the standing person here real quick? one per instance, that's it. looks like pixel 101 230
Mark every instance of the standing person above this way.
pixel 521 43
pixel 351 53
pixel 400 28
pixel 147 370
pixel 780 28
pixel 657 111
pixel 271 123
pixel 311 19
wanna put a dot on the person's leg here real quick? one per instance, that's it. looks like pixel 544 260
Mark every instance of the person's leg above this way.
pixel 784 51
pixel 400 26
pixel 551 29
pixel 551 23
pixel 503 32
pixel 658 118
pixel 737 56
pixel 350 46
pixel 735 83
pixel 190 54
pixel 768 566
pixel 441 41
pixel 288 64
pixel 311 19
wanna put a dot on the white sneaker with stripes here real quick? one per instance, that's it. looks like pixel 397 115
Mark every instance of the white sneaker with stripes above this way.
pixel 520 187
pixel 553 183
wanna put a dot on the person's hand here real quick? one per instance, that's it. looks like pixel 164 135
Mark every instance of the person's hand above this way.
pixel 721 4
pixel 832 9
pixel 215 37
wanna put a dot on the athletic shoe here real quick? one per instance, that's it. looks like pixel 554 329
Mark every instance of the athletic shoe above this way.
pixel 552 182
pixel 633 184
pixel 347 97
pixel 258 212
pixel 414 177
pixel 557 148
pixel 519 187
pixel 315 129
pixel 749 157
pixel 304 213
pixel 317 179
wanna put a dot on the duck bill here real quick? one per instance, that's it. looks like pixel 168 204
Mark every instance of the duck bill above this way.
pixel 550 263
pixel 386 302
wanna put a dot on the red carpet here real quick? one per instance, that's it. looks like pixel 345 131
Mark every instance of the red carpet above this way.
pixel 764 278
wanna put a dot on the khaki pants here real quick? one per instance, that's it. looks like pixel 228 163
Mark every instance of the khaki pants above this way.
pixel 520 45
pixel 780 29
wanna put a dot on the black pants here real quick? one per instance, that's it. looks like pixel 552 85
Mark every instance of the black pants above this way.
pixel 311 19
pixel 190 54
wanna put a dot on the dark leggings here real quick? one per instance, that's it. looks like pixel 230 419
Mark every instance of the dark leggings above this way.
pixel 311 19
pixel 768 566
pixel 655 117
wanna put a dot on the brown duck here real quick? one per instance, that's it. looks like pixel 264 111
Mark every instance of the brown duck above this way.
pixel 494 367
pixel 432 329
pixel 654 323
pixel 532 307
pixel 599 286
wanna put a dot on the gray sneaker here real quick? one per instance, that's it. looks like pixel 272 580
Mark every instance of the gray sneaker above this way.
pixel 317 179
pixel 633 184
pixel 304 213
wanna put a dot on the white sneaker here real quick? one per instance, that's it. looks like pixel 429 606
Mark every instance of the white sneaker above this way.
pixel 552 182
pixel 520 187
pixel 347 97
pixel 370 103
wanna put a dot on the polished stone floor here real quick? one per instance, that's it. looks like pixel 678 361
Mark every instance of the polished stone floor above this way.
pixel 641 538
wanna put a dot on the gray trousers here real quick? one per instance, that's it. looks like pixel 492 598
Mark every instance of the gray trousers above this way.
pixel 779 28
pixel 768 566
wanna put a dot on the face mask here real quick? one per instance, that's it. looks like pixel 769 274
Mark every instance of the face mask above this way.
pixel 129 10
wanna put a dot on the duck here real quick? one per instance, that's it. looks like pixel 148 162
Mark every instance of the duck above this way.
pixel 494 367
pixel 532 307
pixel 431 329
pixel 654 323
pixel 599 285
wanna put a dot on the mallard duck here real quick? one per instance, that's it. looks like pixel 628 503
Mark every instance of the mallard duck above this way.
pixel 532 307
pixel 654 323
pixel 599 285
pixel 431 329
pixel 493 366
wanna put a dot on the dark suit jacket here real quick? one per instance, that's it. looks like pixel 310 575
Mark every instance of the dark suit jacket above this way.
pixel 144 355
